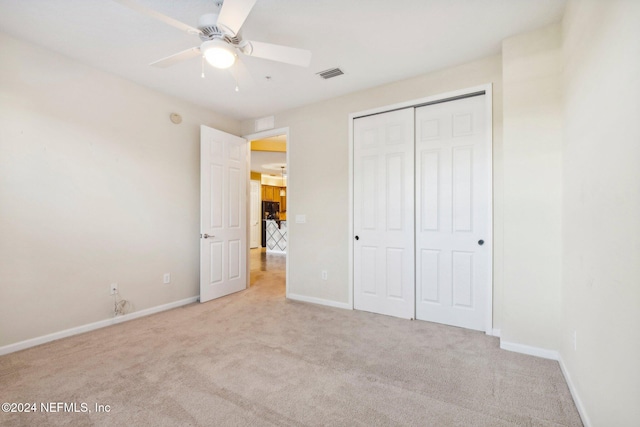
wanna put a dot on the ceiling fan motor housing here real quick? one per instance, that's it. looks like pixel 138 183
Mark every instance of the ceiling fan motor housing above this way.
pixel 209 30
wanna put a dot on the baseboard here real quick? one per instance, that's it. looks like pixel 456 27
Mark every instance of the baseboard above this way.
pixel 319 301
pixel 574 393
pixel 494 332
pixel 553 355
pixel 531 351
pixel 277 252
pixel 92 326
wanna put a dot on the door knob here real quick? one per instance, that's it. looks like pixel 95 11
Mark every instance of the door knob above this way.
pixel 207 236
pixel 481 242
pixel 357 237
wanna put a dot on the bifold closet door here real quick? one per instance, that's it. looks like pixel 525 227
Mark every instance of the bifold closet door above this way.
pixel 453 213
pixel 384 248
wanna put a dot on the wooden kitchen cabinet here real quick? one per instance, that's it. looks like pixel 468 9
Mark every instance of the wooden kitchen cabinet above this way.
pixel 267 193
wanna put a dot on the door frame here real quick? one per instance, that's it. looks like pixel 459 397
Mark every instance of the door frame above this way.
pixel 267 134
pixel 252 209
pixel 442 97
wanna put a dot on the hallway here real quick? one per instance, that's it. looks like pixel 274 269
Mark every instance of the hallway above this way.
pixel 268 270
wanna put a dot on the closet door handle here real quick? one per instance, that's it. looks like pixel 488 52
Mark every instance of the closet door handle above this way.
pixel 357 237
pixel 481 242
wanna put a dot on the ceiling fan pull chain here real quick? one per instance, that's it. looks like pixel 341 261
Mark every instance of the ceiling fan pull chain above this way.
pixel 235 76
pixel 202 75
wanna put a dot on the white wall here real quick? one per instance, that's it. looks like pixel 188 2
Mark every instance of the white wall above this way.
pixel 96 186
pixel 532 88
pixel 601 209
pixel 319 181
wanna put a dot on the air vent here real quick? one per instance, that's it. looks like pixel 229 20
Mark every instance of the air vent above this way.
pixel 330 73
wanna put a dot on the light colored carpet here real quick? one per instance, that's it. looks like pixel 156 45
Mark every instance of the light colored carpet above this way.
pixel 254 358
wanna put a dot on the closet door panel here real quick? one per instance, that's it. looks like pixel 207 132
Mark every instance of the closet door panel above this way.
pixel 384 275
pixel 453 196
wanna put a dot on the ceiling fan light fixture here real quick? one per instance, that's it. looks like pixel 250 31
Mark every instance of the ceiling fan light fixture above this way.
pixel 218 53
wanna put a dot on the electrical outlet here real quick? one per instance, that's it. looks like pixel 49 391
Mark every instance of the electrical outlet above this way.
pixel 166 279
pixel 323 273
pixel 113 288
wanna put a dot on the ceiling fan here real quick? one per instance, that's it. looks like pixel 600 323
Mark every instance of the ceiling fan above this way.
pixel 221 39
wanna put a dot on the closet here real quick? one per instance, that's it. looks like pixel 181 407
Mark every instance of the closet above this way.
pixel 422 212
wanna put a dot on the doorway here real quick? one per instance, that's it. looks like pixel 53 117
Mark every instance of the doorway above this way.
pixel 269 235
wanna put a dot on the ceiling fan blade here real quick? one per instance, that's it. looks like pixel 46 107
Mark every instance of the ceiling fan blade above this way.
pixel 274 52
pixel 159 16
pixel 233 14
pixel 174 59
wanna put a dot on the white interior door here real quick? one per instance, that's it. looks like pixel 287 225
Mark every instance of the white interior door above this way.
pixel 256 210
pixel 453 213
pixel 223 204
pixel 383 213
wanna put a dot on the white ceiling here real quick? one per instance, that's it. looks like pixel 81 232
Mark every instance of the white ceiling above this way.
pixel 268 162
pixel 372 41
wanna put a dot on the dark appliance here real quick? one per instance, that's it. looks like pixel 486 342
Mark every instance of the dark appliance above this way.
pixel 270 210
